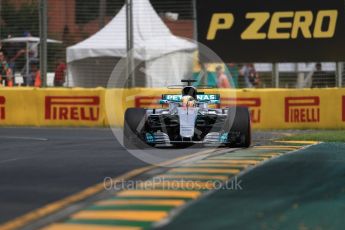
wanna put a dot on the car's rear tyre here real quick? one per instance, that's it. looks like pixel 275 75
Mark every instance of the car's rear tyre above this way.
pixel 239 121
pixel 134 125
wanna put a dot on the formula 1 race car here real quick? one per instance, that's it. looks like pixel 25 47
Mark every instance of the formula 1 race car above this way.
pixel 187 120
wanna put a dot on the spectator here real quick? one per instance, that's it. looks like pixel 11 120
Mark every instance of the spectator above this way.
pixel 60 73
pixel 204 74
pixel 1 48
pixel 34 78
pixel 234 73
pixel 321 78
pixel 251 77
pixel 205 77
pixel 222 80
pixel 32 50
pixel 11 51
pixel 5 71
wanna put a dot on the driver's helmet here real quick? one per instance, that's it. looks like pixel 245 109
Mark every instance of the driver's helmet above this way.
pixel 188 101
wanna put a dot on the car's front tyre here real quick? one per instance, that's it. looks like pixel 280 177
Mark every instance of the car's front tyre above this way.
pixel 238 121
pixel 134 128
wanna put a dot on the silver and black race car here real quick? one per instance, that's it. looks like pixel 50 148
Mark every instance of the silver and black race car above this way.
pixel 187 120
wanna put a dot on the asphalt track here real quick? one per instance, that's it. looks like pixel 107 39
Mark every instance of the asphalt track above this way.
pixel 163 195
pixel 39 166
pixel 42 165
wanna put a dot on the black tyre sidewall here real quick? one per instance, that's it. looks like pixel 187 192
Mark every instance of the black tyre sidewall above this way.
pixel 134 117
pixel 239 121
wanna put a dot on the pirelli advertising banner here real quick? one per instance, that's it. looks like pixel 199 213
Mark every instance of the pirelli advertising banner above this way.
pixel 273 31
pixel 51 107
pixel 269 108
pixel 277 108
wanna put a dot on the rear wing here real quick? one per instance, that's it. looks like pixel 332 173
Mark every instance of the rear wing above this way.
pixel 201 98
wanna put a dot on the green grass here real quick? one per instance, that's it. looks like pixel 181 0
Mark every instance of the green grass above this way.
pixel 323 136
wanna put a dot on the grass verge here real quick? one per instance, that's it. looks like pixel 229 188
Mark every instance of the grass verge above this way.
pixel 323 136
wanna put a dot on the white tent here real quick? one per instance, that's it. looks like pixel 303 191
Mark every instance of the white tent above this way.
pixel 166 58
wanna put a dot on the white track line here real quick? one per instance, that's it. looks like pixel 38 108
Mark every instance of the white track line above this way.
pixel 24 138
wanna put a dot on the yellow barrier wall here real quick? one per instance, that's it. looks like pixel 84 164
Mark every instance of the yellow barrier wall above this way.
pixel 52 107
pixel 270 108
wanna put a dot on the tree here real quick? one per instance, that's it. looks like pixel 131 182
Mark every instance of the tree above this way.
pixel 16 21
